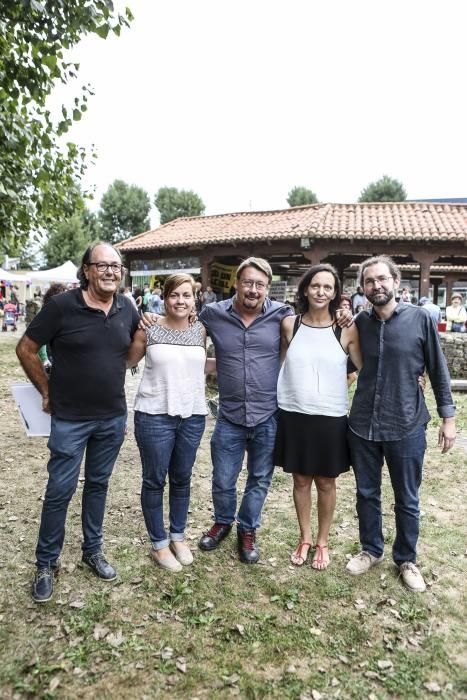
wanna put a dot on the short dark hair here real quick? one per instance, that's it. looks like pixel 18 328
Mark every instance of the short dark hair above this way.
pixel 86 259
pixel 385 259
pixel 305 281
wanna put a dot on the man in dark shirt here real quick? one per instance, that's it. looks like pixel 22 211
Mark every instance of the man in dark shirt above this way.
pixel 245 331
pixel 89 331
pixel 388 417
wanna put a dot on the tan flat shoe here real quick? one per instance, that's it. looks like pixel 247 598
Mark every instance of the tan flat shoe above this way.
pixel 182 554
pixel 166 561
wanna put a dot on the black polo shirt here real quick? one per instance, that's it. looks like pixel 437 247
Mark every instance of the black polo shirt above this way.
pixel 89 350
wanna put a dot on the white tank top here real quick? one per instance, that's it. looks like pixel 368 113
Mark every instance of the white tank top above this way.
pixel 313 377
pixel 173 380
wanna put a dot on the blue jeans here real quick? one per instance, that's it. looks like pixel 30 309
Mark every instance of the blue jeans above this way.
pixel 101 439
pixel 229 443
pixel 167 444
pixel 405 460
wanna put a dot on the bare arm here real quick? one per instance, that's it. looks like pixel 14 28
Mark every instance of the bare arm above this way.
pixel 27 350
pixel 351 344
pixel 287 325
pixel 137 349
pixel 210 366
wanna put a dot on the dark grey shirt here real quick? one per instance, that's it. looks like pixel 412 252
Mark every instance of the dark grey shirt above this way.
pixel 389 403
pixel 247 359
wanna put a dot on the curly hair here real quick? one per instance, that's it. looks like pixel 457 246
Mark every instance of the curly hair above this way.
pixel 55 288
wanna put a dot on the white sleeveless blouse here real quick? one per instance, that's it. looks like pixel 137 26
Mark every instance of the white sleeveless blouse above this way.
pixel 313 377
pixel 173 380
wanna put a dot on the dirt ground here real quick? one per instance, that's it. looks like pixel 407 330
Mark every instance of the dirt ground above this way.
pixel 26 628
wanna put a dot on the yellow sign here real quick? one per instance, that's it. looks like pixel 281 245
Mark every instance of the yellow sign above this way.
pixel 222 277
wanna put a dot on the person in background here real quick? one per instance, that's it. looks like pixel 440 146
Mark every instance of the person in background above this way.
pixel 146 296
pixel 126 291
pixel 208 297
pixel 456 315
pixel 170 416
pixel 138 297
pixel 345 302
pixel 358 299
pixel 312 395
pixel 433 309
pixel 406 296
pixel 155 305
pixel 45 354
pixel 198 297
pixel 388 417
pixel 89 330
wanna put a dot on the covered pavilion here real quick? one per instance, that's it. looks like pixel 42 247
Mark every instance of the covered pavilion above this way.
pixel 428 240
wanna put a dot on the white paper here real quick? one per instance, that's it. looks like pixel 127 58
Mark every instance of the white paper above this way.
pixel 29 403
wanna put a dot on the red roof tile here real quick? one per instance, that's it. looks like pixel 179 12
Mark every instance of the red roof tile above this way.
pixel 401 221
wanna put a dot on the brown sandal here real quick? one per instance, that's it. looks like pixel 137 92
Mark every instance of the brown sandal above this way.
pixel 300 559
pixel 318 562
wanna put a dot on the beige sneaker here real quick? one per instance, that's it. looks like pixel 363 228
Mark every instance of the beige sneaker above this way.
pixel 411 577
pixel 361 563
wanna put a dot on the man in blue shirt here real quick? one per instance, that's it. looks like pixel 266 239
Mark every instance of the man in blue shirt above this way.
pixel 388 417
pixel 245 331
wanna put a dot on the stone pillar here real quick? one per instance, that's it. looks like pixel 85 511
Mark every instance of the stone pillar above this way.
pixel 425 260
pixel 449 280
pixel 206 261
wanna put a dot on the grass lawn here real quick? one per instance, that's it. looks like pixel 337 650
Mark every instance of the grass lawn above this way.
pixel 221 628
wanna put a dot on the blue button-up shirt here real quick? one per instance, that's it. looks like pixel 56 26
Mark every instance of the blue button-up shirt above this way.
pixel 247 359
pixel 389 403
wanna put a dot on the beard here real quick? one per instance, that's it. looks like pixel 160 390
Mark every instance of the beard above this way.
pixel 380 298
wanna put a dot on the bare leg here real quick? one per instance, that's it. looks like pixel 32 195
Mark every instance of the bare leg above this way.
pixel 302 501
pixel 326 489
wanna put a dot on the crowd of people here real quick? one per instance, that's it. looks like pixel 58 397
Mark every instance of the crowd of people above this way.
pixel 283 402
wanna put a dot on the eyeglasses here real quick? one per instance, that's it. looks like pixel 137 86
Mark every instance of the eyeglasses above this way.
pixel 249 284
pixel 103 267
pixel 382 280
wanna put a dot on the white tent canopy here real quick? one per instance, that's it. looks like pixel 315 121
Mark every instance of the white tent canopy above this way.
pixel 7 276
pixel 62 273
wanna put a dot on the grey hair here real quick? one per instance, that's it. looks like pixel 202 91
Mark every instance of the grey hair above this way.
pixel 86 259
pixel 393 269
pixel 259 263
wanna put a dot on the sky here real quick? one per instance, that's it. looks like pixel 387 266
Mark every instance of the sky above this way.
pixel 241 100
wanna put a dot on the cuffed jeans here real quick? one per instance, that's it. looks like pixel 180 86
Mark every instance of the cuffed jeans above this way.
pixel 101 439
pixel 167 444
pixel 405 460
pixel 229 443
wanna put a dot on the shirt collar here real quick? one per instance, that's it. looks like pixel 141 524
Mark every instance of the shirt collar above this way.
pixel 399 307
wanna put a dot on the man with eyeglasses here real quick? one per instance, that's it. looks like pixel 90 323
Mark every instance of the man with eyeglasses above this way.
pixel 388 416
pixel 89 330
pixel 245 331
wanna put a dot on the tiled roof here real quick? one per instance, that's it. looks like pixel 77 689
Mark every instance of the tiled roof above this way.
pixel 397 221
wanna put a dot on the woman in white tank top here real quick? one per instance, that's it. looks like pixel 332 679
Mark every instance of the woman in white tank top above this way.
pixel 312 396
pixel 170 416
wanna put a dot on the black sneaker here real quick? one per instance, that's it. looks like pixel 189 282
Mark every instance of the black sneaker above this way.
pixel 43 584
pixel 213 537
pixel 247 549
pixel 100 566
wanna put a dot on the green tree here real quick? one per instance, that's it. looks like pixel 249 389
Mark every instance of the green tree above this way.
pixel 38 170
pixel 298 196
pixel 386 189
pixel 124 212
pixel 173 203
pixel 67 241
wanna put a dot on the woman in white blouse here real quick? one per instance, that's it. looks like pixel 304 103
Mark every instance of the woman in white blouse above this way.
pixel 170 415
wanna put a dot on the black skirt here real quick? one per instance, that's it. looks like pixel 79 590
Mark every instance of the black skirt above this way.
pixel 312 445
